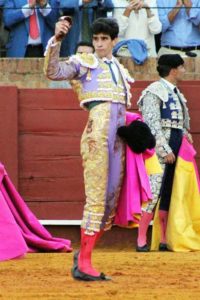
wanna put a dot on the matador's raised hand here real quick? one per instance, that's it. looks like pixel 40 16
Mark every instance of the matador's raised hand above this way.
pixel 62 27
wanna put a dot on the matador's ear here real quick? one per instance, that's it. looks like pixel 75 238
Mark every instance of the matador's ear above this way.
pixel 138 136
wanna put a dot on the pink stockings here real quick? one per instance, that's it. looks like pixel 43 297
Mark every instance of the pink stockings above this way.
pixel 143 227
pixel 163 216
pixel 144 224
pixel 88 243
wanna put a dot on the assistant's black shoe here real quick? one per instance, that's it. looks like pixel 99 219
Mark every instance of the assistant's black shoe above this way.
pixel 144 248
pixel 78 275
pixel 163 247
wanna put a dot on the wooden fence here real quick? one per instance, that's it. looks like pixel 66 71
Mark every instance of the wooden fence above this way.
pixel 40 144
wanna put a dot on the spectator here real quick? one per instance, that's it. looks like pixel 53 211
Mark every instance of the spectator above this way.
pixel 91 11
pixel 137 21
pixel 30 25
pixel 3 32
pixel 1 24
pixel 83 13
pixel 180 27
pixel 84 47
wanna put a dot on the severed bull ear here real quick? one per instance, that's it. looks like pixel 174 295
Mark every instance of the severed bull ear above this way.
pixel 67 18
pixel 137 135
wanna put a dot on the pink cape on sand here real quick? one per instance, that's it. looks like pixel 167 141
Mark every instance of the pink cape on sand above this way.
pixel 136 187
pixel 20 231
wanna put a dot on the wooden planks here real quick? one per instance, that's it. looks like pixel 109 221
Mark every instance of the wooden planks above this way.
pixel 48 148
pixel 51 175
pixel 57 210
pixel 9 130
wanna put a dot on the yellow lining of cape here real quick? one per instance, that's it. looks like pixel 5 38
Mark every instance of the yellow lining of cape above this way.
pixel 183 230
pixel 152 165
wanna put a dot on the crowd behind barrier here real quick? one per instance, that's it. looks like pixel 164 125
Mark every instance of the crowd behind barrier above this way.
pixel 146 28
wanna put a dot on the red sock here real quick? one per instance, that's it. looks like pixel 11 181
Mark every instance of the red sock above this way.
pixel 163 216
pixel 85 256
pixel 143 227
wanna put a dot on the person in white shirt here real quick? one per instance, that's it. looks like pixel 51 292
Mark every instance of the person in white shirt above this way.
pixel 137 20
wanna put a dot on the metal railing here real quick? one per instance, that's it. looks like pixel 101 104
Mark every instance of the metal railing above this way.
pixel 4 33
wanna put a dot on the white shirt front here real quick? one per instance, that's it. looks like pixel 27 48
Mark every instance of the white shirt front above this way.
pixel 169 84
pixel 113 66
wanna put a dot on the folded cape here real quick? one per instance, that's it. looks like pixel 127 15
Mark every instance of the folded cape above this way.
pixel 20 231
pixel 136 190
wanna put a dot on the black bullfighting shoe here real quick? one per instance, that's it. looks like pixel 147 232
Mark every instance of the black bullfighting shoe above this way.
pixel 144 248
pixel 76 254
pixel 78 275
pixel 163 247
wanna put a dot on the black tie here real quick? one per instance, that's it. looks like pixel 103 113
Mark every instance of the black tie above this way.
pixel 175 91
pixel 111 71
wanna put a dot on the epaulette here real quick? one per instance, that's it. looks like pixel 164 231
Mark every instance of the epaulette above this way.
pixel 156 88
pixel 87 60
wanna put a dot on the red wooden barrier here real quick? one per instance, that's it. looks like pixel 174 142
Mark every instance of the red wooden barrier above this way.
pixel 9 130
pixel 50 125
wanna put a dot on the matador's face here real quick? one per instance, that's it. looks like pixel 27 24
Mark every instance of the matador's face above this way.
pixel 103 45
pixel 179 72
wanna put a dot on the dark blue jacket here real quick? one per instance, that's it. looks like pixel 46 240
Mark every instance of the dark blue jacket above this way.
pixel 18 26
